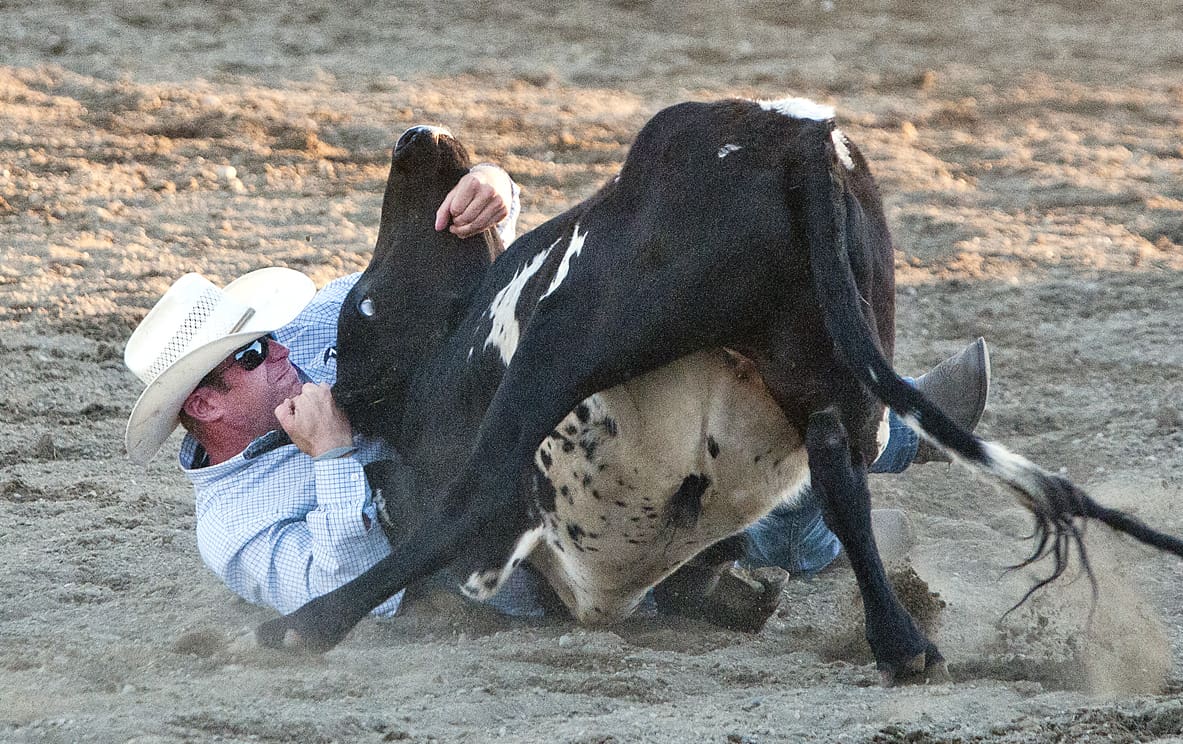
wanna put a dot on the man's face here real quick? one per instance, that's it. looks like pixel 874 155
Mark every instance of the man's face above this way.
pixel 253 388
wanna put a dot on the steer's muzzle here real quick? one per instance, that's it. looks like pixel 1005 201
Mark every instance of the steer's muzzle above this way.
pixel 415 133
pixel 343 398
pixel 361 407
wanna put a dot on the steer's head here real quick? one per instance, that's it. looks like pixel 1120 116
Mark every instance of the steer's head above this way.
pixel 416 288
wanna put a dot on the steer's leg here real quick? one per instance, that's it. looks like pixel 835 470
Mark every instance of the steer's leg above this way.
pixel 323 622
pixel 902 651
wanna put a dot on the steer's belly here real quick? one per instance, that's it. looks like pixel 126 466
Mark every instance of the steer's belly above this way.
pixel 649 473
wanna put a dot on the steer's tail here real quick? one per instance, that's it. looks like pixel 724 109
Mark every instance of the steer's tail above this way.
pixel 1056 503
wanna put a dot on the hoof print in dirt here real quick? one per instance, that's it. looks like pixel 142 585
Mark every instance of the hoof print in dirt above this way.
pixel 201 643
pixel 44 448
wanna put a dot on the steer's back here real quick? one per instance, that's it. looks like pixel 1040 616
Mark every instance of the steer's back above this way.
pixel 647 474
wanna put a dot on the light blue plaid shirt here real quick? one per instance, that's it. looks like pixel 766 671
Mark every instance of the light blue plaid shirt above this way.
pixel 280 529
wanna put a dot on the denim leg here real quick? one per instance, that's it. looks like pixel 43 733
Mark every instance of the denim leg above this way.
pixel 796 537
pixel 793 537
pixel 901 447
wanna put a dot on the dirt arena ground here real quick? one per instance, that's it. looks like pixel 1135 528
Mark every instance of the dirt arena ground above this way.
pixel 1031 157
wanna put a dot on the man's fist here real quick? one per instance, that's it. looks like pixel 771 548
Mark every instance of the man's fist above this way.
pixel 313 420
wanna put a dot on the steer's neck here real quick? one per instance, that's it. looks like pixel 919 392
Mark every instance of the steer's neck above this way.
pixel 434 280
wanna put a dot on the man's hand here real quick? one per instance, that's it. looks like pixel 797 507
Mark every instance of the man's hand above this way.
pixel 313 420
pixel 479 201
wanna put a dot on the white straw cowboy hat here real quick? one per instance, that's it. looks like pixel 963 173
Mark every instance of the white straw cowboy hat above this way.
pixel 193 327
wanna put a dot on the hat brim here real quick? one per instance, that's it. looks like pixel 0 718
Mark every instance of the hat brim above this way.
pixel 277 294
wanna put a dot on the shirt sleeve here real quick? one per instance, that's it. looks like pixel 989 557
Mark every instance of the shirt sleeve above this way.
pixel 507 229
pixel 346 537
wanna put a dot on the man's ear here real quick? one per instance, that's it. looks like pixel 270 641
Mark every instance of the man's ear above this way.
pixel 202 406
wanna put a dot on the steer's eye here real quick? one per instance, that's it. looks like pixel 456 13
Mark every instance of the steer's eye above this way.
pixel 366 307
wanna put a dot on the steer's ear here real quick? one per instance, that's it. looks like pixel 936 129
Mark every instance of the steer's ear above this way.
pixel 494 243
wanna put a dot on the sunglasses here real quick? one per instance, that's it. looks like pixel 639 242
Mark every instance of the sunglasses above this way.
pixel 253 354
pixel 249 357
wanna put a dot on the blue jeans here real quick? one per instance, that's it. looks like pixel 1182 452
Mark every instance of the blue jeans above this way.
pixel 796 537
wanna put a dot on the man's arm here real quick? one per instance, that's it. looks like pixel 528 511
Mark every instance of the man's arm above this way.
pixel 344 538
pixel 292 533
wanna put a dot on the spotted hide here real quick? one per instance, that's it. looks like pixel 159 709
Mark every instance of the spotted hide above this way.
pixel 645 374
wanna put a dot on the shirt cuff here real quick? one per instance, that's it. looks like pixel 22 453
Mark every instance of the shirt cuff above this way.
pixel 336 452
pixel 340 480
pixel 507 228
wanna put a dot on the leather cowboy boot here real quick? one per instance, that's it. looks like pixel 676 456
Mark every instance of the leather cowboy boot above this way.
pixel 959 386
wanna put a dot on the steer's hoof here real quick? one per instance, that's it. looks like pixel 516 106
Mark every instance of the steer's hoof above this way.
pixel 743 600
pixel 298 632
pixel 925 668
pixel 316 627
pixel 277 634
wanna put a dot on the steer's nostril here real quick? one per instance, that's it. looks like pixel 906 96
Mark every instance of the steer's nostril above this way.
pixel 410 136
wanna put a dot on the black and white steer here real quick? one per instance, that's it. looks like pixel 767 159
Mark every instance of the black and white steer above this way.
pixel 646 374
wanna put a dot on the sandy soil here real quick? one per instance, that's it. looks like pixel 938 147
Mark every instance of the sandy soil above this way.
pixel 1031 163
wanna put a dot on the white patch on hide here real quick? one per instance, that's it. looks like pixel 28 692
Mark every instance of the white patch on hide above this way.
pixel 841 148
pixel 506 332
pixel 799 108
pixel 883 433
pixel 573 250
pixel 484 584
pixel 727 149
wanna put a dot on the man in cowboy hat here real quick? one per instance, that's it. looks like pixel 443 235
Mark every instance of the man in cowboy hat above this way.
pixel 284 510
